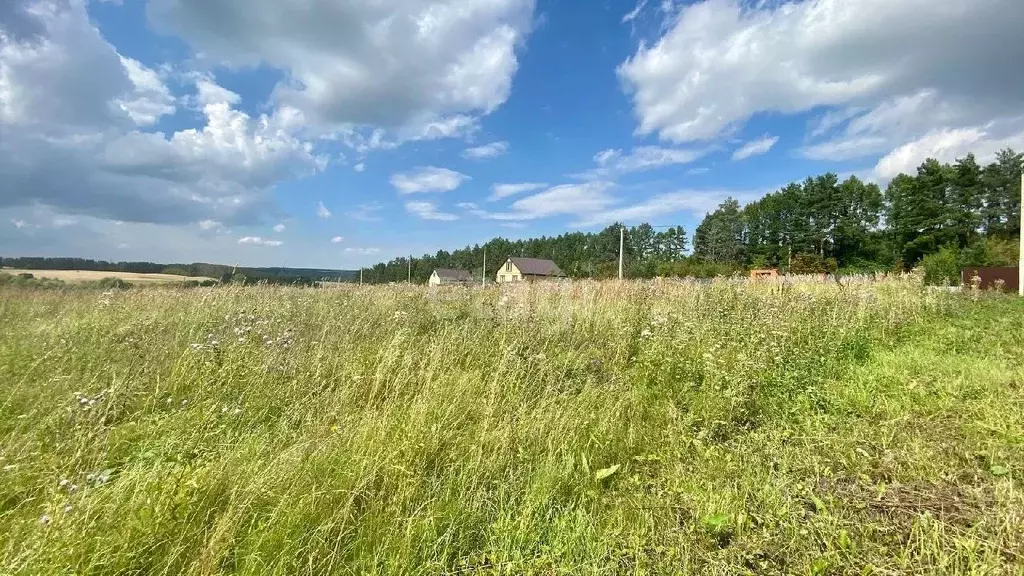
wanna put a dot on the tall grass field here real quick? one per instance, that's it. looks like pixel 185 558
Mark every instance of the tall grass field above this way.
pixel 662 427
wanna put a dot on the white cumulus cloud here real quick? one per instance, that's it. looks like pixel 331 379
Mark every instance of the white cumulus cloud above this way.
pixel 367 212
pixel 257 241
pixel 428 179
pixel 612 162
pixel 69 99
pixel 487 151
pixel 593 203
pixel 420 66
pixel 877 87
pixel 755 147
pixel 570 199
pixel 697 202
pixel 946 145
pixel 428 211
pixel 322 211
pixel 365 251
pixel 721 61
pixel 499 191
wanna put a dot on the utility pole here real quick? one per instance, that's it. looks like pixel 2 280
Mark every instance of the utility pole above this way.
pixel 410 269
pixel 483 275
pixel 1020 265
pixel 622 241
pixel 360 276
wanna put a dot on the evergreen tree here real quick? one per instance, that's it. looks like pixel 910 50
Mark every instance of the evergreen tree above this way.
pixel 719 238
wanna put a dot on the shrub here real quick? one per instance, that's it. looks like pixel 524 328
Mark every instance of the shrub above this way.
pixel 697 268
pixel 760 262
pixel 113 284
pixel 811 264
pixel 990 252
pixel 861 266
pixel 29 281
pixel 176 271
pixel 943 267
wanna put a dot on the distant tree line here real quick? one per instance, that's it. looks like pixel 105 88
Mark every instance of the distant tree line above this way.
pixel 945 215
pixel 648 252
pixel 854 225
pixel 220 272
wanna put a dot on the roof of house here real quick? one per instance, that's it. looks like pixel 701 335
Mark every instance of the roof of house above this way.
pixel 537 267
pixel 453 274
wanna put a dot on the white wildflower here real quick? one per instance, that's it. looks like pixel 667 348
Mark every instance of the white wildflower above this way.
pixel 99 478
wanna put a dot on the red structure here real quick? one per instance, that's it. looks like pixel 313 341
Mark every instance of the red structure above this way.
pixel 990 276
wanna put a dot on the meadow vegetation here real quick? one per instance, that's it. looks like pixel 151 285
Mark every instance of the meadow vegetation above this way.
pixel 661 427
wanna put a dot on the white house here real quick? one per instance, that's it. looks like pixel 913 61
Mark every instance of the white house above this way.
pixel 449 276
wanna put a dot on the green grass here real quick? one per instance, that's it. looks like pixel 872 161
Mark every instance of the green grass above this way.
pixel 588 428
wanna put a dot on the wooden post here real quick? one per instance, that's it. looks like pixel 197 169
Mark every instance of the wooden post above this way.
pixel 622 236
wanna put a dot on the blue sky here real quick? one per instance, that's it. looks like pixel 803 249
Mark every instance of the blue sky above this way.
pixel 338 133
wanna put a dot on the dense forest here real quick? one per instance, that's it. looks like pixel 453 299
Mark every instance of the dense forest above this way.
pixel 945 216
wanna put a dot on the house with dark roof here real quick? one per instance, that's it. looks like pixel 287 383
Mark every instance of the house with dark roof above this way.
pixel 523 269
pixel 449 276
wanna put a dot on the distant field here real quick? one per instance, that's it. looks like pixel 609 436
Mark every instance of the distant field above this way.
pixel 93 275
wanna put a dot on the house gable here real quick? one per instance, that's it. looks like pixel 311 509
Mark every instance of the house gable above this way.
pixel 508 272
